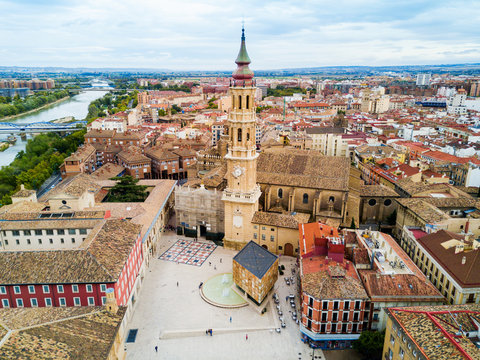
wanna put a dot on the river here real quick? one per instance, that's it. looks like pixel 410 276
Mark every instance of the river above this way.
pixel 76 106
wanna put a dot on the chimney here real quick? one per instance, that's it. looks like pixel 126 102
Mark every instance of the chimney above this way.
pixel 464 260
pixel 111 303
pixel 467 225
pixel 22 187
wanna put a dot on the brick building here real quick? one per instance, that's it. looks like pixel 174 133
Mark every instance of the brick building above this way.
pixel 165 164
pixel 334 301
pixel 136 164
pixel 84 160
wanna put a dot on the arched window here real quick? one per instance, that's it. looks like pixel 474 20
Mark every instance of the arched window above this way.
pixel 248 102
pixel 248 135
pixel 280 193
pixel 387 202
pixel 239 135
pixel 233 101
pixel 331 199
pixel 305 198
pixel 240 101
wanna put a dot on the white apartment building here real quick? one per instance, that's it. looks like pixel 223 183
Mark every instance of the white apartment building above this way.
pixel 328 140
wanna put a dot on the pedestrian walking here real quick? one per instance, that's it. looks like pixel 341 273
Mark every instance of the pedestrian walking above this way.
pixel 209 263
pixel 206 332
pixel 246 336
pixel 214 267
pixel 230 319
pixel 177 283
pixel 220 260
pixel 156 348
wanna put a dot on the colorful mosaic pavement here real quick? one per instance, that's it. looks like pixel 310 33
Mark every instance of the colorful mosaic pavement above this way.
pixel 188 252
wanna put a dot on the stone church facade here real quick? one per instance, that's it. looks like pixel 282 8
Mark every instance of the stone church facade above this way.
pixel 265 196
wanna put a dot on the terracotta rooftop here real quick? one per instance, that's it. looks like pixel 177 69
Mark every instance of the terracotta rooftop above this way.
pixel 308 232
pixel 74 186
pixel 23 193
pixel 280 220
pixel 321 280
pixel 435 332
pixel 101 260
pixel 94 133
pixel 377 190
pixel 59 333
pixel 301 168
pixel 82 153
pixel 133 154
pixel 407 287
pixel 142 213
pixel 129 135
pixel 160 154
pixel 107 171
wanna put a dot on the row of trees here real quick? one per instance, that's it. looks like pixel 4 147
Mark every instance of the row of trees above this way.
pixel 111 103
pixel 132 84
pixel 17 105
pixel 42 156
pixel 284 91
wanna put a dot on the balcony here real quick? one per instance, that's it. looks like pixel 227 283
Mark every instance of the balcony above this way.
pixel 244 197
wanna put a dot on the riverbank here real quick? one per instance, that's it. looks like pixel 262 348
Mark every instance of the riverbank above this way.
pixel 43 107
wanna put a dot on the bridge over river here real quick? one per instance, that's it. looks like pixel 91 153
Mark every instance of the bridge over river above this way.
pixel 40 127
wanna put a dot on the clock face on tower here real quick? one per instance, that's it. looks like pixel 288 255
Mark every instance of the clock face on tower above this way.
pixel 237 171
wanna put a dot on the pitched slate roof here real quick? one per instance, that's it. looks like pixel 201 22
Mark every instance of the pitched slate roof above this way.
pixel 255 259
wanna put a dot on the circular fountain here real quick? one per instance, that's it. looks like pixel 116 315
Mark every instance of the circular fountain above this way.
pixel 218 291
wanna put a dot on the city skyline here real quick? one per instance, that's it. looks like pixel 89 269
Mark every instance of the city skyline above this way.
pixel 201 36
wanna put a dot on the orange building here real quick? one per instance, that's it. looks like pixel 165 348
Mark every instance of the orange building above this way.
pixel 333 297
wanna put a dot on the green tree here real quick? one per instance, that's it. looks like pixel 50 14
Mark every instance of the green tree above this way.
pixel 127 190
pixel 370 344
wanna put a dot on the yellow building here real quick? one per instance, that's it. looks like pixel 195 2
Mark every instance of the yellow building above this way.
pixel 449 260
pixel 255 271
pixel 242 192
pixel 278 232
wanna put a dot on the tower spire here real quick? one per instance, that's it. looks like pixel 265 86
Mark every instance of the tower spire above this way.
pixel 243 72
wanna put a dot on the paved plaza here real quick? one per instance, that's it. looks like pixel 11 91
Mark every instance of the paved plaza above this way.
pixel 175 318
pixel 189 252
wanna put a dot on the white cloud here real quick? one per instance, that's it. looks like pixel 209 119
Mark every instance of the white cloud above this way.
pixel 205 34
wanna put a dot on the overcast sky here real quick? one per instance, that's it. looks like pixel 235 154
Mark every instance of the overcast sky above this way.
pixel 205 35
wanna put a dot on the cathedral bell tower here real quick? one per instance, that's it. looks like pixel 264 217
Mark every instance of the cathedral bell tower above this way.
pixel 242 192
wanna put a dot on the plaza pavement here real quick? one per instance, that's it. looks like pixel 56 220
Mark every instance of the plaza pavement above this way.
pixel 175 318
